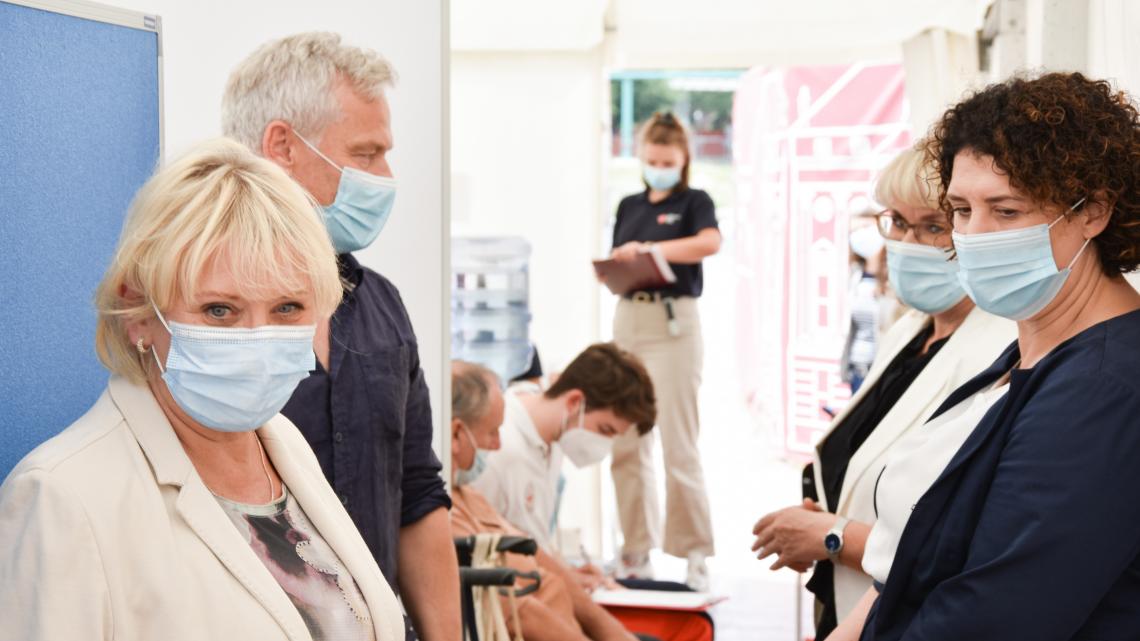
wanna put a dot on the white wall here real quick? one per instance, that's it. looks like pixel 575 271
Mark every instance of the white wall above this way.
pixel 204 39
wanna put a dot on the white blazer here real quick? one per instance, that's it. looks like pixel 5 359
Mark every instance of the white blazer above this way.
pixel 975 345
pixel 107 532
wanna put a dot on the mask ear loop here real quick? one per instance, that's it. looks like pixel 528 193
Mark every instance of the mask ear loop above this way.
pixel 471 440
pixel 1087 240
pixel 566 417
pixel 165 326
pixel 1079 252
pixel 318 152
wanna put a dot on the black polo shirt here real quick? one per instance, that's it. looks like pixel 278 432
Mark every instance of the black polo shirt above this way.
pixel 681 215
pixel 368 420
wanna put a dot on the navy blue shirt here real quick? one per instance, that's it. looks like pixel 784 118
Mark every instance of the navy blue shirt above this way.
pixel 1032 531
pixel 369 419
pixel 682 214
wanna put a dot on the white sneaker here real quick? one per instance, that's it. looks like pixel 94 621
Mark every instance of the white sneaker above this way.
pixel 697 577
pixel 635 566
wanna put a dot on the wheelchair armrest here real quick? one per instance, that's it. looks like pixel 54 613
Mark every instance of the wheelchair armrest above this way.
pixel 465 546
pixel 518 545
pixel 469 577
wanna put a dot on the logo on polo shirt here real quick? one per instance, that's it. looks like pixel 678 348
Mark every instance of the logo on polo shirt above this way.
pixel 528 495
pixel 668 219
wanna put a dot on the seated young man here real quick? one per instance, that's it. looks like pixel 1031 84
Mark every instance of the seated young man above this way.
pixel 604 392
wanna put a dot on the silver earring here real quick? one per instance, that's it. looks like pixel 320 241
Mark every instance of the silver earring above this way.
pixel 139 346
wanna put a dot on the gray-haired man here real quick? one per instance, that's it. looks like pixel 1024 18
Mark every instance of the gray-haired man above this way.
pixel 317 108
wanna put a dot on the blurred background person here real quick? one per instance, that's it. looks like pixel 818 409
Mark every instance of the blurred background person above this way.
pixel 864 295
pixel 940 344
pixel 663 328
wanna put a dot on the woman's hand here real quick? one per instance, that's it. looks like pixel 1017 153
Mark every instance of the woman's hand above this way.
pixel 628 251
pixel 795 535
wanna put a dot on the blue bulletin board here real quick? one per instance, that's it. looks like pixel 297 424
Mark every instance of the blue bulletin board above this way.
pixel 80 131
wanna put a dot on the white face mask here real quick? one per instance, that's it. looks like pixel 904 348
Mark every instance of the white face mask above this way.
pixel 866 242
pixel 581 446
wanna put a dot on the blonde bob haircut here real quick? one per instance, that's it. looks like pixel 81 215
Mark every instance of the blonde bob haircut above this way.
pixel 292 79
pixel 908 180
pixel 219 202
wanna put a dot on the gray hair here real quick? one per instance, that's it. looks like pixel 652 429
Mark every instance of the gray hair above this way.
pixel 471 385
pixel 292 79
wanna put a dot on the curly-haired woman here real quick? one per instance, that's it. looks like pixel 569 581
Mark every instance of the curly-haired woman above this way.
pixel 1028 531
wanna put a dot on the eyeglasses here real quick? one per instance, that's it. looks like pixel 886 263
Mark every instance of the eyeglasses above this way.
pixel 894 227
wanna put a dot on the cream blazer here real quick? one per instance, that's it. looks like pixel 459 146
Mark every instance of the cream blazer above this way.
pixel 107 532
pixel 974 346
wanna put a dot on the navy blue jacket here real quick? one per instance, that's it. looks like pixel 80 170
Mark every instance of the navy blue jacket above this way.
pixel 1032 532
pixel 368 419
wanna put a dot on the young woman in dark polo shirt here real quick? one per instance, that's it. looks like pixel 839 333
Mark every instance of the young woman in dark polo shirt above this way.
pixel 662 327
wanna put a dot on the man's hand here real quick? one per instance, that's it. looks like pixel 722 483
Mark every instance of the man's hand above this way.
pixel 591 577
pixel 795 535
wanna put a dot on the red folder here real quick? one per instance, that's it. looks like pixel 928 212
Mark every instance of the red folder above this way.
pixel 648 270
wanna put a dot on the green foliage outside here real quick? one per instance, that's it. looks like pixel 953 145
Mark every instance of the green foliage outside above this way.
pixel 656 95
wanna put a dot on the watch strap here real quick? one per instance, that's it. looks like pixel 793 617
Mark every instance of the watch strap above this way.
pixel 836 531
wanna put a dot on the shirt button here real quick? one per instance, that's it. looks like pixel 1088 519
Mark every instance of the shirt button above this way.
pixel 344 499
pixel 338 437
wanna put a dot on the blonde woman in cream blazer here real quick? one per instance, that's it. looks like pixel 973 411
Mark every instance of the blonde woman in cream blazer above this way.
pixel 109 533
pixel 182 506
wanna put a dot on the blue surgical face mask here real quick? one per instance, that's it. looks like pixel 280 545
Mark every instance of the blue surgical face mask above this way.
pixel 923 277
pixel 362 206
pixel 661 178
pixel 466 477
pixel 1012 273
pixel 234 379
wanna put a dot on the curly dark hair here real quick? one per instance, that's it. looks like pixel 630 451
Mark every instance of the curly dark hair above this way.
pixel 1060 137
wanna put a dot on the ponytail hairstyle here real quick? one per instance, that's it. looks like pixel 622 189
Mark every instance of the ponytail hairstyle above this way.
pixel 664 128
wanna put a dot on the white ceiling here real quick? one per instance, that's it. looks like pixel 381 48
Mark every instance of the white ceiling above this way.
pixel 708 33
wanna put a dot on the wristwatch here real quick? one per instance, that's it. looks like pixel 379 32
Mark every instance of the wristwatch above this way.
pixel 833 540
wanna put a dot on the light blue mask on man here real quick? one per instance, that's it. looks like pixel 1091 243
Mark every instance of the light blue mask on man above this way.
pixel 466 477
pixel 234 379
pixel 361 208
pixel 661 178
pixel 1012 273
pixel 923 277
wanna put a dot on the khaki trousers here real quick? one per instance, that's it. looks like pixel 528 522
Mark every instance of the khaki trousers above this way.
pixel 674 363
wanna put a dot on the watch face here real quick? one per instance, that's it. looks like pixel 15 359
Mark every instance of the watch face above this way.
pixel 832 543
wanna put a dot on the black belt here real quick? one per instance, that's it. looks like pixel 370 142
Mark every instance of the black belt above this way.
pixel 671 323
pixel 647 297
